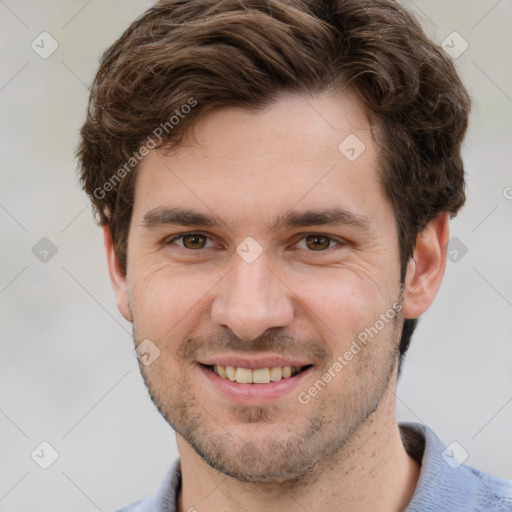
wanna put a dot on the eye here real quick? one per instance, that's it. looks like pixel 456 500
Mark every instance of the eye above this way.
pixel 314 242
pixel 191 241
pixel 317 242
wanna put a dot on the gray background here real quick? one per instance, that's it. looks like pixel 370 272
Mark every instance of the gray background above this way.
pixel 68 373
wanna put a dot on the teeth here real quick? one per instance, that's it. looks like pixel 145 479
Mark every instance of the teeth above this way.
pixel 243 375
pixel 259 376
pixel 230 372
pixel 276 373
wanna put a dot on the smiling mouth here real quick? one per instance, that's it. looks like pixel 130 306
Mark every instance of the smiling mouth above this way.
pixel 257 376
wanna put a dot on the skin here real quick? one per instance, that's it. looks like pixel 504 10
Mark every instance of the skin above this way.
pixel 342 450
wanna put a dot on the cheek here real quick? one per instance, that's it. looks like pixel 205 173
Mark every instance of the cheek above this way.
pixel 342 304
pixel 153 292
pixel 166 300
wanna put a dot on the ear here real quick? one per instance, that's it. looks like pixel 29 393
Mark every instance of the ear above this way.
pixel 117 278
pixel 426 269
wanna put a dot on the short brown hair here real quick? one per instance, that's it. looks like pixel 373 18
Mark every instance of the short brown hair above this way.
pixel 215 53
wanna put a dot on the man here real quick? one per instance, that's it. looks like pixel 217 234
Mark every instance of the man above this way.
pixel 275 179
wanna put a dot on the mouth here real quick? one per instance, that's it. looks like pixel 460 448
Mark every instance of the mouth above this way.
pixel 257 375
pixel 253 380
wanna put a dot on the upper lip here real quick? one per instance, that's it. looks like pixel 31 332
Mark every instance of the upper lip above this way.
pixel 252 363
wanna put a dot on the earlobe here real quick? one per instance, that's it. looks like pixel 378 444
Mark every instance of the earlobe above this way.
pixel 117 277
pixel 425 272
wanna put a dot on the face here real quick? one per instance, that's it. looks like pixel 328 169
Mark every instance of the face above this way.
pixel 259 245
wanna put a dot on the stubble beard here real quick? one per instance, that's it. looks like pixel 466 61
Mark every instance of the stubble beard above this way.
pixel 300 440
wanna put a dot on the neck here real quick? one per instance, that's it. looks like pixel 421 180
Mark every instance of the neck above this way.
pixel 372 472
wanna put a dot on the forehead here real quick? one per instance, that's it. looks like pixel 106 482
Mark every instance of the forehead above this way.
pixel 300 151
pixel 294 126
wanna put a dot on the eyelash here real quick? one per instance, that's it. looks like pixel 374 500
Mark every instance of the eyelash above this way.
pixel 339 242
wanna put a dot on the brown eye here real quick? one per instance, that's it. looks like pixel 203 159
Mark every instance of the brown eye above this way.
pixel 188 242
pixel 194 241
pixel 318 242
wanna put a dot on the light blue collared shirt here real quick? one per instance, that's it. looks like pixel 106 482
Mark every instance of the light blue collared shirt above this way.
pixel 443 486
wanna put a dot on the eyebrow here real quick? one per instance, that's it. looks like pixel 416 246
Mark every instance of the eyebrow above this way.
pixel 165 216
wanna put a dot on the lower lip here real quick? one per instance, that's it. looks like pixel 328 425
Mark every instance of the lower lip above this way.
pixel 251 393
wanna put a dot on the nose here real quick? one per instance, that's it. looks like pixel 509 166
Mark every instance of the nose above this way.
pixel 251 299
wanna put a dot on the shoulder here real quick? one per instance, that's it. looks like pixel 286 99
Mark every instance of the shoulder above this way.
pixel 492 493
pixel 446 485
pixel 144 505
